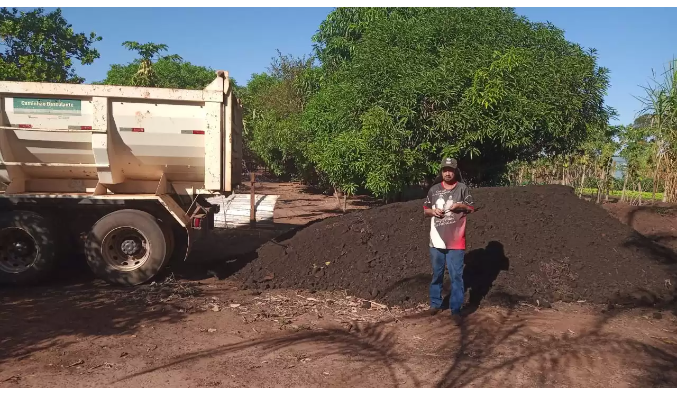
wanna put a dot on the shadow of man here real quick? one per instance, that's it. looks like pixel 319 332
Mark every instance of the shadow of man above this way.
pixel 481 268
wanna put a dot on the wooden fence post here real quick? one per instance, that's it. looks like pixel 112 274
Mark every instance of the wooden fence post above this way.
pixel 253 218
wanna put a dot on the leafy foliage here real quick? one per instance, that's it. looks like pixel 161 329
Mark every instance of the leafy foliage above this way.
pixel 146 51
pixel 411 85
pixel 389 91
pixel 146 75
pixel 169 73
pixel 659 116
pixel 275 102
pixel 338 35
pixel 637 150
pixel 40 47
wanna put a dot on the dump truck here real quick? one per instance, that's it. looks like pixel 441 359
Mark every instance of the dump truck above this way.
pixel 131 175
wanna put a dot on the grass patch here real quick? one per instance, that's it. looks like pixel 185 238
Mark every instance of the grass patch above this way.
pixel 632 194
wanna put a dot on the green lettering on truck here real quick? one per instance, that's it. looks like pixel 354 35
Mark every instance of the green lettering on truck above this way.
pixel 47 106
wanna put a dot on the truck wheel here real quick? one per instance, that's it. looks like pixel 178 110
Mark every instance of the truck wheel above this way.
pixel 126 247
pixel 27 248
pixel 170 242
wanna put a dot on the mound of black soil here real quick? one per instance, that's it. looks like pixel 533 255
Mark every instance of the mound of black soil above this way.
pixel 524 243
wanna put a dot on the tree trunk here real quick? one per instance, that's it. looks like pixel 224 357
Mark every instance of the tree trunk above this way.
pixel 338 194
pixel 640 194
pixel 670 185
pixel 568 176
pixel 654 177
pixel 344 207
pixel 600 185
pixel 520 175
pixel 607 193
pixel 607 184
pixel 594 174
pixel 583 179
pixel 626 178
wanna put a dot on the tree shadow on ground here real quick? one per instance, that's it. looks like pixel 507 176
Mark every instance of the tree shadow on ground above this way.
pixel 72 303
pixel 494 349
pixel 656 245
pixel 492 353
pixel 37 318
pixel 651 245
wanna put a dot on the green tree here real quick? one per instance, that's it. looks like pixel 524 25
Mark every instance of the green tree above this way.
pixel 605 145
pixel 41 47
pixel 638 151
pixel 169 73
pixel 659 114
pixel 146 75
pixel 483 85
pixel 338 35
pixel 273 106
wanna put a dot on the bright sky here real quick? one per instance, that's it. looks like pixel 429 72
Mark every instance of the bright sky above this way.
pixel 630 41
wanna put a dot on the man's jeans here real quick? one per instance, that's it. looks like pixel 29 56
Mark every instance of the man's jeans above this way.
pixel 455 267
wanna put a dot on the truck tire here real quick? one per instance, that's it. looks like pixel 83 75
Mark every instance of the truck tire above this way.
pixel 27 248
pixel 169 239
pixel 127 247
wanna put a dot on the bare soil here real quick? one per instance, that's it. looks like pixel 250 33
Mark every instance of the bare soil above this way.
pixel 656 222
pixel 226 337
pixel 197 328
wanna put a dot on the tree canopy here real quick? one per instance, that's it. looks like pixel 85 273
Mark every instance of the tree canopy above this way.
pixel 389 91
pixel 397 88
pixel 41 47
pixel 274 104
pixel 169 73
pixel 153 70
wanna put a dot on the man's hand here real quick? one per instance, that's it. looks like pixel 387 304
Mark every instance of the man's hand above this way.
pixel 461 207
pixel 438 213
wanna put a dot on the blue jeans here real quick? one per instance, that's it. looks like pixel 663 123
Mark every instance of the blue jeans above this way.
pixel 455 267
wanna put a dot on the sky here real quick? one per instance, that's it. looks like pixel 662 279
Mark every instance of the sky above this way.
pixel 630 41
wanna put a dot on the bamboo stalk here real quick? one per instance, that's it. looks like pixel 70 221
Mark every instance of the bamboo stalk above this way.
pixel 654 177
pixel 626 178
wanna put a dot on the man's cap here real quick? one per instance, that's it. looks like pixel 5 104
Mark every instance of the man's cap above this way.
pixel 448 162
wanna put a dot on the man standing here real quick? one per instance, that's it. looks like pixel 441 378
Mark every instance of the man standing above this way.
pixel 447 204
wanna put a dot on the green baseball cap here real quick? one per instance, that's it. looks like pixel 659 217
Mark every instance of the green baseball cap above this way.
pixel 448 162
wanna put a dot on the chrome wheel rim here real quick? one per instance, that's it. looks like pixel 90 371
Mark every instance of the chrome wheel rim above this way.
pixel 125 248
pixel 18 250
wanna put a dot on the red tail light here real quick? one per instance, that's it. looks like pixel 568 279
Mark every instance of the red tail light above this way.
pixel 198 132
pixel 137 130
pixel 25 126
pixel 86 127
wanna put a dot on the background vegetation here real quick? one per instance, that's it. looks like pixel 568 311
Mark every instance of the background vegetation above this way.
pixel 387 92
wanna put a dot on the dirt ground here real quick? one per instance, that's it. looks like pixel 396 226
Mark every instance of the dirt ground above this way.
pixel 197 328
pixel 657 222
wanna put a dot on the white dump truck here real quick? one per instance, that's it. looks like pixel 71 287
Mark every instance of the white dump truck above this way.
pixel 131 173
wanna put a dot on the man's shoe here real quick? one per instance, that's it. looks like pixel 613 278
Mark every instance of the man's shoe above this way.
pixel 434 310
pixel 457 318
